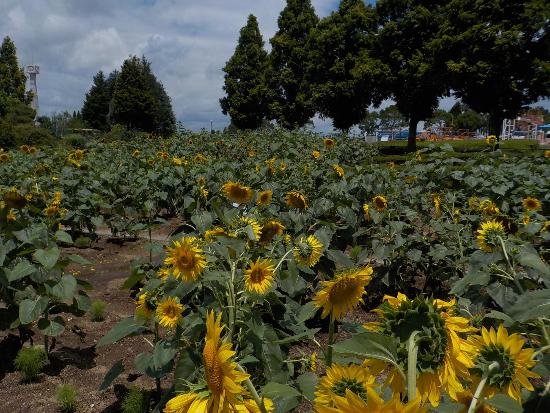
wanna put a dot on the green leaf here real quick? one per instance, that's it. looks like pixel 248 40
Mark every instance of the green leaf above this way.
pixel 78 259
pixel 31 310
pixel 284 396
pixel 48 257
pixel 528 257
pixel 369 345
pixel 339 258
pixel 116 370
pixel 504 404
pixel 164 354
pixel 128 326
pixel 471 278
pixel 307 383
pixel 142 361
pixel 497 315
pixel 51 327
pixel 531 305
pixel 21 270
pixel 133 279
pixel 63 236
pixel 83 302
pixel 65 288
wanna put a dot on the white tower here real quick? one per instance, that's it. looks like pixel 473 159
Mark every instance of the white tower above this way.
pixel 32 71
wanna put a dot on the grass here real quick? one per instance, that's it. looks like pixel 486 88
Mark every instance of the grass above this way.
pixel 97 310
pixel 136 401
pixel 66 398
pixel 30 361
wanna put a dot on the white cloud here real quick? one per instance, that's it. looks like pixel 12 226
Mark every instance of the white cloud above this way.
pixel 101 49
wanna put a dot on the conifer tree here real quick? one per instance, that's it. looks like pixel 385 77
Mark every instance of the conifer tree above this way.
pixel 96 105
pixel 246 100
pixel 12 77
pixel 345 77
pixel 292 104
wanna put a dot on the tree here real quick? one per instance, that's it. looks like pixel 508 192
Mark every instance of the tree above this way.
pixel 292 104
pixel 370 123
pixel 12 77
pixel 246 101
pixel 392 119
pixel 164 119
pixel 96 105
pixel 440 118
pixel 499 55
pixel 470 120
pixel 408 43
pixel 345 77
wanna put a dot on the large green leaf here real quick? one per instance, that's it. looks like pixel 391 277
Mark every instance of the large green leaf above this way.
pixel 531 305
pixel 31 310
pixel 369 345
pixel 307 383
pixel 47 257
pixel 65 288
pixel 128 326
pixel 21 270
pixel 504 404
pixel 112 374
pixel 51 327
pixel 284 397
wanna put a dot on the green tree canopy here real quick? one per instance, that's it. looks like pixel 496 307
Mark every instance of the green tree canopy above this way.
pixel 499 55
pixel 345 78
pixel 246 101
pixel 12 77
pixel 292 104
pixel 96 105
pixel 408 43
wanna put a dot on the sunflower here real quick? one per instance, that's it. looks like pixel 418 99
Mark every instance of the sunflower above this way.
pixel 214 232
pixel 4 156
pixel 33 150
pixel 490 140
pixel 514 362
pixel 186 402
pixel 163 273
pixel 339 170
pixel 531 204
pixel 295 199
pixel 444 357
pixel 316 154
pixel 259 276
pixel 144 308
pixel 410 179
pixel 487 235
pixel 436 199
pixel 250 406
pixel 151 162
pixel 264 198
pixel 547 153
pixel 177 161
pixel 256 227
pixel 221 373
pixel 343 293
pixel 351 403
pixel 186 259
pixel 488 207
pixel 366 211
pixel 270 229
pixel 307 251
pixel 135 153
pixel 238 193
pixel 380 203
pixel 169 312
pixel 339 379
pixel 24 148
pixel 11 217
pixel 329 143
pixel 526 219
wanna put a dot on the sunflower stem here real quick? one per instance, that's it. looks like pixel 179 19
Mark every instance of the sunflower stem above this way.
pixel 412 346
pixel 281 260
pixel 232 302
pixel 544 332
pixel 253 391
pixel 157 380
pixel 515 276
pixel 330 341
pixel 473 404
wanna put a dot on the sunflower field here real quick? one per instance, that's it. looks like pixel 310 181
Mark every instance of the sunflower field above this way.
pixel 304 275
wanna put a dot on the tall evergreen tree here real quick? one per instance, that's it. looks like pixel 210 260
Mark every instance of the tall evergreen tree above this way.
pixel 12 77
pixel 408 42
pixel 246 100
pixel 345 77
pixel 499 55
pixel 133 102
pixel 292 104
pixel 96 105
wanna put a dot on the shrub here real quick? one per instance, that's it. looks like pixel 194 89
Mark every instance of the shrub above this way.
pixel 66 398
pixel 75 140
pixel 30 361
pixel 97 310
pixel 136 401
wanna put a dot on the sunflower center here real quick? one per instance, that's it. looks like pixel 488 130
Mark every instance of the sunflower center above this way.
pixel 212 368
pixel 170 311
pixel 304 249
pixel 353 385
pixel 257 275
pixel 342 290
pixel 185 260
pixel 505 373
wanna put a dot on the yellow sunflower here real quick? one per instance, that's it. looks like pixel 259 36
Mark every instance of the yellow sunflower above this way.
pixel 308 251
pixel 338 379
pixel 380 203
pixel 24 148
pixel 151 162
pixel 487 235
pixel 259 276
pixel 264 197
pixel 185 259
pixel 514 362
pixel 186 402
pixel 444 356
pixel 547 153
pixel 436 199
pixel 531 204
pixel 214 232
pixel 250 406
pixel 237 193
pixel 256 227
pixel 270 229
pixel 169 312
pixel 177 161
pixel 4 156
pixel 295 199
pixel 488 207
pixel 490 140
pixel 221 373
pixel 366 212
pixel 339 170
pixel 135 153
pixel 11 217
pixel 329 143
pixel 343 293
pixel 144 309
pixel 316 154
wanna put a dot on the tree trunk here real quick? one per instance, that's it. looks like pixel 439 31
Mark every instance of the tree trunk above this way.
pixel 411 142
pixel 495 125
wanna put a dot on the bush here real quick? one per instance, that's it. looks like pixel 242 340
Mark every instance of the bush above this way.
pixel 97 310
pixel 136 401
pixel 75 140
pixel 66 398
pixel 30 361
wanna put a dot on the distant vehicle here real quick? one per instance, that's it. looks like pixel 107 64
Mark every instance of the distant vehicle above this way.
pixel 401 135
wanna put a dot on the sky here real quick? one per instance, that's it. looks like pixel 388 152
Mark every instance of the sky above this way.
pixel 187 42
